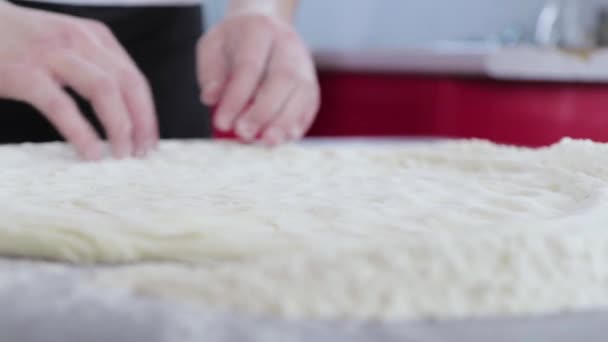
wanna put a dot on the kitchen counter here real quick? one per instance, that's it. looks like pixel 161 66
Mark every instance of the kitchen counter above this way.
pixel 44 302
pixel 468 61
pixel 477 59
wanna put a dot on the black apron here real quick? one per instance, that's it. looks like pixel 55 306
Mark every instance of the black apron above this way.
pixel 161 40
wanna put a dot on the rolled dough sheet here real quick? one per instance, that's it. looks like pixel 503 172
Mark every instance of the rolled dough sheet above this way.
pixel 451 229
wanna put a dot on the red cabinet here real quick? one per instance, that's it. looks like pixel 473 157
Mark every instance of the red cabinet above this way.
pixel 523 113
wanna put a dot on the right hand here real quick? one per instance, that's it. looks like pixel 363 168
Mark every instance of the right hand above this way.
pixel 41 53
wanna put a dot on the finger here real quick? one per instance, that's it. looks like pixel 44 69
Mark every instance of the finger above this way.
pixel 272 96
pixel 108 53
pixel 308 118
pixel 289 59
pixel 295 117
pixel 47 96
pixel 247 69
pixel 212 67
pixel 138 97
pixel 306 122
pixel 104 94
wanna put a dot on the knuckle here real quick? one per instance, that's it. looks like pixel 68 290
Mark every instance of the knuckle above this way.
pixel 262 22
pixel 10 75
pixel 246 63
pixel 125 128
pixel 100 28
pixel 6 76
pixel 55 57
pixel 55 107
pixel 119 127
pixel 25 78
pixel 288 75
pixel 69 34
pixel 131 79
pixel 265 107
pixel 255 117
pixel 310 116
pixel 209 63
pixel 316 102
pixel 203 41
pixel 85 139
pixel 314 92
pixel 60 34
pixel 288 36
pixel 245 67
pixel 311 84
pixel 102 86
pixel 82 137
pixel 54 40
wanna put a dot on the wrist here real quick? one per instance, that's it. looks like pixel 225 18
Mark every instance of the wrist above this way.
pixel 282 9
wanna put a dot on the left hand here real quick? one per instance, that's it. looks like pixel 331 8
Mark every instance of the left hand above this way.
pixel 261 76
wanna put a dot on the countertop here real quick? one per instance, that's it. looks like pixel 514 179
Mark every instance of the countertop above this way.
pixel 529 63
pixel 44 302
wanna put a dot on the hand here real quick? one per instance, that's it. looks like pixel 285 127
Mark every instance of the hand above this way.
pixel 261 76
pixel 41 53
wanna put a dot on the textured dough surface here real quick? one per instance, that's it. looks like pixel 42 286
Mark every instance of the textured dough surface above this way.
pixel 440 229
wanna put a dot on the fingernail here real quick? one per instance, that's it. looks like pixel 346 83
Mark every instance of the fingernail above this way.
pixel 149 145
pixel 123 151
pixel 293 133
pixel 245 130
pixel 275 136
pixel 207 99
pixel 209 91
pixel 152 145
pixel 142 148
pixel 222 123
pixel 141 152
pixel 93 153
pixel 211 86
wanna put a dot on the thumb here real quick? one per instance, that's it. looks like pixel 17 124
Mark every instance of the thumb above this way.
pixel 212 65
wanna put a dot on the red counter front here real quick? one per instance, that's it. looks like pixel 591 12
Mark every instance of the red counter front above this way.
pixel 521 113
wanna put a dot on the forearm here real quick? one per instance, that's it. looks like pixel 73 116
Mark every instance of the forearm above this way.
pixel 286 9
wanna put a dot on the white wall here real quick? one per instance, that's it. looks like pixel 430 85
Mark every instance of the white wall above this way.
pixel 359 24
pixel 395 23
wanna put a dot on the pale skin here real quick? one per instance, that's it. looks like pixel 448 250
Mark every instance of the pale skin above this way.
pixel 252 67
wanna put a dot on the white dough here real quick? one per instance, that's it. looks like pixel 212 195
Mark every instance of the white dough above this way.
pixel 406 231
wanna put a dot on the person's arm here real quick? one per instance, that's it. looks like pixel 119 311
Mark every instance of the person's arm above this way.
pixel 286 9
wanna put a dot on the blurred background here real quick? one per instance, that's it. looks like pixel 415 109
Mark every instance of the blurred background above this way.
pixel 525 72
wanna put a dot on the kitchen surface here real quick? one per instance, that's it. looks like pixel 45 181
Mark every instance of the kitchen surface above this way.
pixel 54 303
